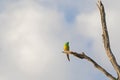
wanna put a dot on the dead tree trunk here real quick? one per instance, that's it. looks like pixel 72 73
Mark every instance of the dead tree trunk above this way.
pixel 108 50
pixel 106 39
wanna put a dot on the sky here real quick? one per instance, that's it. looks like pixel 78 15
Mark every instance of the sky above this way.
pixel 33 32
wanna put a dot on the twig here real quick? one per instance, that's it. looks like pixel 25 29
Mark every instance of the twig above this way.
pixel 84 56
pixel 106 38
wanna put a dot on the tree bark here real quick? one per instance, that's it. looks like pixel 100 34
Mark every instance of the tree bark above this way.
pixel 84 56
pixel 106 38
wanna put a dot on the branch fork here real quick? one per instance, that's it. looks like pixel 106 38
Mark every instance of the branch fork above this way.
pixel 106 43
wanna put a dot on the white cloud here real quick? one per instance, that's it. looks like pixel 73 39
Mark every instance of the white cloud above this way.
pixel 29 41
pixel 88 23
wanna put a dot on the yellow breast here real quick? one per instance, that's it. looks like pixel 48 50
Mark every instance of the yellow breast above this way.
pixel 66 48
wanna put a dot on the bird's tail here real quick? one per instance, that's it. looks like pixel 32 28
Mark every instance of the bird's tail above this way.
pixel 68 57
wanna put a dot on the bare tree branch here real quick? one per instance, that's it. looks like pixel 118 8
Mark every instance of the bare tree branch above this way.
pixel 106 42
pixel 106 38
pixel 84 56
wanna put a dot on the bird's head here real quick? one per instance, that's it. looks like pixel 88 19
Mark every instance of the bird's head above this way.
pixel 67 43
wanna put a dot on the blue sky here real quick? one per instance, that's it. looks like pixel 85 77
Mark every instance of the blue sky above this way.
pixel 32 34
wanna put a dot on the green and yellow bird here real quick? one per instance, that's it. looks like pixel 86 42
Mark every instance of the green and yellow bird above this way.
pixel 67 48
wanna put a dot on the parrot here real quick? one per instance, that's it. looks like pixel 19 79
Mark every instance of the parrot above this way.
pixel 67 48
